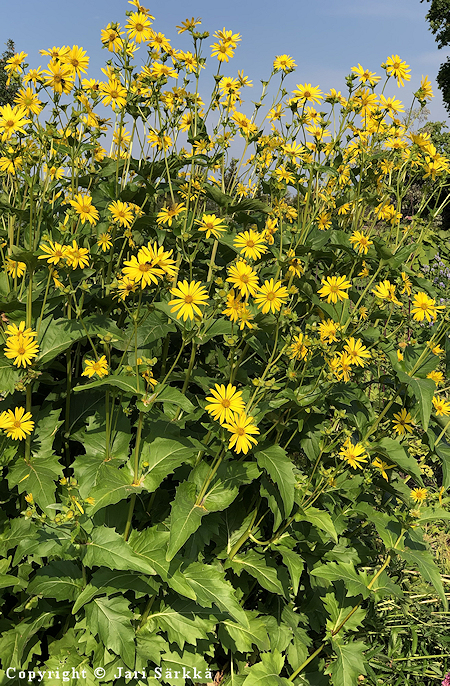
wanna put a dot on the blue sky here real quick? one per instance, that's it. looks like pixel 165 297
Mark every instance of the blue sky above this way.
pixel 325 38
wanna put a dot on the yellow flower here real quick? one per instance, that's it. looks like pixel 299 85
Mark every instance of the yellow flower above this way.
pixel 167 214
pixel 406 285
pixel 76 58
pixel 366 75
pixel 436 376
pixel 83 206
pixel 385 290
pixel 125 287
pixel 354 454
pixel 104 241
pixel 424 307
pixel 344 367
pixel 15 268
pixel 399 355
pixel 328 331
pixel 357 351
pixel 395 67
pixel 299 347
pixel 364 271
pixel 441 406
pixel 222 51
pixel 243 277
pixel 250 244
pixel 60 77
pixel 27 99
pixel 418 495
pixel 21 349
pixel 114 93
pixel 334 288
pixel 76 256
pixel 225 401
pixel 245 317
pixel 271 296
pixel 382 466
pixel 307 93
pixel 111 37
pixel 284 63
pixel 425 91
pixel 361 242
pixel 141 270
pixel 121 213
pixel 139 27
pixel 233 306
pixel 243 432
pixel 53 252
pixel 12 121
pixel 435 349
pixel 16 424
pixel 189 296
pixel 13 330
pixel 211 224
pixel 158 257
pixel 403 423
pixel 99 367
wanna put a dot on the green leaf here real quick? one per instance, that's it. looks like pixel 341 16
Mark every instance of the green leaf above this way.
pixel 133 385
pixel 338 606
pixel 170 394
pixel 266 673
pixel 56 336
pixel 185 517
pixel 261 568
pixel 110 619
pixel 443 451
pixel 7 580
pixel 428 569
pixel 423 390
pixel 349 664
pixel 14 643
pixel 176 664
pixel 318 518
pixel 9 376
pixel 109 582
pixel 346 572
pixel 181 626
pixel 295 565
pixel 163 455
pixel 210 586
pixel 115 485
pixel 395 452
pixel 244 637
pixel 230 476
pixel 61 580
pixel 108 549
pixel 38 477
pixel 277 464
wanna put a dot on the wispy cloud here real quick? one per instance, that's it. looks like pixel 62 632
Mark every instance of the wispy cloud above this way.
pixel 432 58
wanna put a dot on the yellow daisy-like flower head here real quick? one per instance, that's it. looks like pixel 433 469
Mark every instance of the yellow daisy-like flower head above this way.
pixel 441 406
pixel 328 330
pixel 104 241
pixel 403 423
pixel 298 347
pixel 77 257
pixel 141 270
pixel 98 367
pixel 54 252
pixel 334 288
pixel 224 402
pixel 223 51
pixel 361 242
pixel 243 277
pixel 84 207
pixel 12 121
pixel 382 466
pixel 121 213
pixel 114 94
pixel 284 63
pixel 21 349
pixel 385 290
pixel 271 296
pixel 16 424
pixel 250 244
pixel 189 296
pixel 212 225
pixel 424 308
pixel 168 214
pixel 307 93
pixel 357 351
pixel 436 376
pixel 125 287
pixel 243 432
pixel 139 27
pixel 76 58
pixel 419 495
pixel 14 268
pixel 354 454
pixel 400 70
